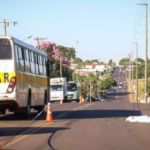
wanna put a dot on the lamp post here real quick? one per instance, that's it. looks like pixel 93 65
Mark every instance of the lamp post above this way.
pixel 136 70
pixel 129 71
pixel 132 74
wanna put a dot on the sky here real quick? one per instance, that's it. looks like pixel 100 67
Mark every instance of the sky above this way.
pixel 104 28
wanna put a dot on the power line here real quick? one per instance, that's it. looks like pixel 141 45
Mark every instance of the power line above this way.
pixel 18 32
pixel 18 25
pixel 11 33
pixel 12 28
pixel 24 30
pixel 4 22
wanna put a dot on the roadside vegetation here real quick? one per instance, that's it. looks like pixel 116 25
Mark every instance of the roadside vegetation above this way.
pixel 141 75
pixel 57 52
pixel 97 85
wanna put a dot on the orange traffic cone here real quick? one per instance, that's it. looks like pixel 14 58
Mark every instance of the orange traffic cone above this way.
pixel 80 99
pixel 49 116
pixel 61 102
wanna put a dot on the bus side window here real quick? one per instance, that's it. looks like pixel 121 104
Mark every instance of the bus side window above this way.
pixel 21 59
pixel 27 63
pixel 44 66
pixel 32 62
pixel 36 64
pixel 16 58
pixel 40 65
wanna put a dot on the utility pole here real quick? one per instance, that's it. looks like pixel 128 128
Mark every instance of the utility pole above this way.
pixel 84 91
pixel 7 24
pixel 129 71
pixel 38 41
pixel 146 49
pixel 60 66
pixel 100 91
pixel 90 90
pixel 77 49
pixel 136 71
pixel 132 75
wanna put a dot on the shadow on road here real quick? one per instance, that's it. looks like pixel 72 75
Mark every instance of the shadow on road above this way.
pixel 13 131
pixel 90 114
pixel 19 117
pixel 86 114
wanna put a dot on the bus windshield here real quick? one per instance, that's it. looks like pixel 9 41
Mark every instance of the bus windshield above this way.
pixel 56 88
pixel 5 49
pixel 71 87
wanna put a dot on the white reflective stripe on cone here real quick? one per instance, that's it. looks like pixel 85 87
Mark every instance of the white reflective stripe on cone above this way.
pixel 49 112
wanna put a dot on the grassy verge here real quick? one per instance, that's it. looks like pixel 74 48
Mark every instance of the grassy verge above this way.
pixel 141 91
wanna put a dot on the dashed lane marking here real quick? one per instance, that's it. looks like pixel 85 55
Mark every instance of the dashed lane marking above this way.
pixel 19 137
pixel 8 124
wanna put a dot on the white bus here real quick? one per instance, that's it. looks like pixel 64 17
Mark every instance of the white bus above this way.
pixel 23 76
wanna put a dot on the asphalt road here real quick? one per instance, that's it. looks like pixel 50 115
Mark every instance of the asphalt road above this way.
pixel 96 125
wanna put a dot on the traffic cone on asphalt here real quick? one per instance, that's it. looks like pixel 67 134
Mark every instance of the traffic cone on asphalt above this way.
pixel 80 99
pixel 61 102
pixel 49 116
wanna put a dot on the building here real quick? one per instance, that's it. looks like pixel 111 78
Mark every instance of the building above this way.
pixel 91 69
pixel 84 71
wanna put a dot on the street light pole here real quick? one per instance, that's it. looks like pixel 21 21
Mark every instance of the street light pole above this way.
pixel 129 71
pixel 146 49
pixel 136 71
pixel 132 75
pixel 90 90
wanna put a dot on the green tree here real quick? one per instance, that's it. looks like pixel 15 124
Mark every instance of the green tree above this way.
pixel 66 52
pixel 110 62
pixel 141 71
pixel 87 62
pixel 139 60
pixel 96 83
pixel 78 61
pixel 101 62
pixel 94 61
pixel 71 53
pixel 123 61
pixel 108 82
